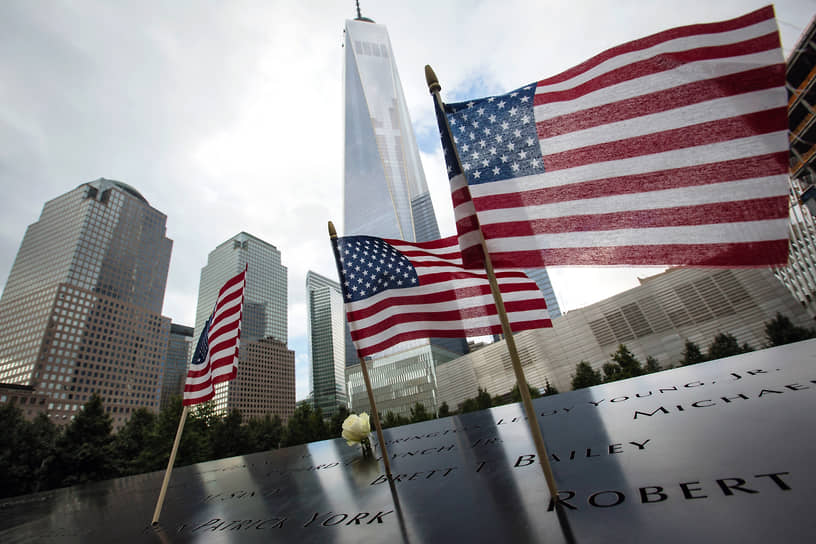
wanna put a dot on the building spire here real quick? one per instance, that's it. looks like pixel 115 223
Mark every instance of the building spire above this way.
pixel 360 14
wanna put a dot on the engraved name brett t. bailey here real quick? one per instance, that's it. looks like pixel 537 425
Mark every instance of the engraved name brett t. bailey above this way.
pixel 727 444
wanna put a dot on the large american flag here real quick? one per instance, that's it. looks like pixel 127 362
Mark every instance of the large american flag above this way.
pixel 397 291
pixel 216 355
pixel 669 150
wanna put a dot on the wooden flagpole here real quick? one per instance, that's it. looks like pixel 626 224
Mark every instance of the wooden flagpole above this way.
pixel 375 415
pixel 170 463
pixel 434 87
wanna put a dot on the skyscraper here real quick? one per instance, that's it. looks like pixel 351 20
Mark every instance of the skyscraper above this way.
pixel 799 276
pixel 327 339
pixel 385 192
pixel 81 311
pixel 179 354
pixel 386 195
pixel 542 279
pixel 264 312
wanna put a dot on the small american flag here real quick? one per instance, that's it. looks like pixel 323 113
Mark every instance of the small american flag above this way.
pixel 669 150
pixel 216 355
pixel 397 291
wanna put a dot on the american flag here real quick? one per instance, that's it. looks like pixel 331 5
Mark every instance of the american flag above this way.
pixel 397 291
pixel 668 150
pixel 216 355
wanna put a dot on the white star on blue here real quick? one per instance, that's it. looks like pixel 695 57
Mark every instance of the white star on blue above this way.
pixel 496 137
pixel 369 265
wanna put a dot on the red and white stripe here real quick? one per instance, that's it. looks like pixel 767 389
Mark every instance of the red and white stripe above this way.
pixel 450 302
pixel 223 338
pixel 669 150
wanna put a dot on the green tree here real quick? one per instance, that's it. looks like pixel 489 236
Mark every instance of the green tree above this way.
pixel 132 441
pixel 549 389
pixel 15 473
pixel 336 422
pixel 725 345
pixel 585 376
pixel 781 330
pixel 481 401
pixel 85 452
pixel 305 425
pixel 612 372
pixel 515 393
pixel 266 433
pixel 626 360
pixel 194 446
pixel 40 437
pixel 420 413
pixel 393 420
pixel 228 436
pixel 651 366
pixel 692 354
pixel 444 410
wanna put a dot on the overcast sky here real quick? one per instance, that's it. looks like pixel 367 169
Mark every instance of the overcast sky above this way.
pixel 227 116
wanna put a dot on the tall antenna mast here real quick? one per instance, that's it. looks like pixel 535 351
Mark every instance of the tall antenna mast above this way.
pixel 360 14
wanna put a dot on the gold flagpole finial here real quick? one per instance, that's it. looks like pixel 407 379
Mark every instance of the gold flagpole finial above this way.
pixel 332 232
pixel 431 79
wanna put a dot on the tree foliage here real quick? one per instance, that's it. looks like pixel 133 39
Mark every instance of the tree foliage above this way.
pixel 585 376
pixel 780 330
pixel 549 389
pixel 419 413
pixel 515 393
pixel 444 410
pixel 652 365
pixel 725 345
pixel 481 401
pixel 393 420
pixel 692 354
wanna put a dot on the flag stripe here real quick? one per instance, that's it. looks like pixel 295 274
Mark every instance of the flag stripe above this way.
pixel 731 255
pixel 447 329
pixel 657 65
pixel 448 320
pixel 216 356
pixel 727 212
pixel 680 117
pixel 445 300
pixel 712 193
pixel 744 126
pixel 666 99
pixel 756 167
pixel 722 27
pixel 438 299
pixel 404 336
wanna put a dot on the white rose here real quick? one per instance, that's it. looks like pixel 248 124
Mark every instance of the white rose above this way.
pixel 356 428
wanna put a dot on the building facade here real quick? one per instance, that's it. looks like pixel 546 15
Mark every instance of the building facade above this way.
pixel 265 297
pixel 81 311
pixel 800 274
pixel 179 355
pixel 265 383
pixel 542 279
pixel 399 380
pixel 327 343
pixel 654 319
pixel 385 191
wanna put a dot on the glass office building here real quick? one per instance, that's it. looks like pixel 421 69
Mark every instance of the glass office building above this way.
pixel 265 296
pixel 327 343
pixel 385 192
pixel 179 355
pixel 81 311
